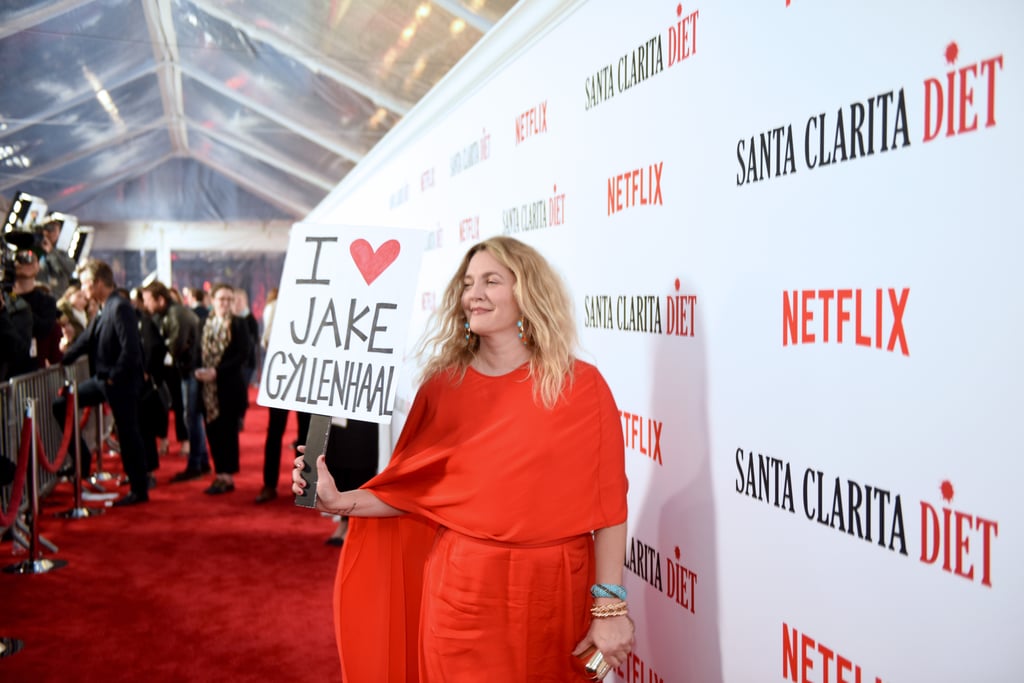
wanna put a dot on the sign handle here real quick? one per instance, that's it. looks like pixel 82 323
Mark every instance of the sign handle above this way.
pixel 316 445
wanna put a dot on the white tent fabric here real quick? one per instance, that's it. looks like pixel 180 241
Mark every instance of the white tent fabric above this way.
pixel 195 110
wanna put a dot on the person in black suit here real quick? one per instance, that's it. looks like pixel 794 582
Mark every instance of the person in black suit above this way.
pixel 195 299
pixel 114 347
pixel 226 348
pixel 240 309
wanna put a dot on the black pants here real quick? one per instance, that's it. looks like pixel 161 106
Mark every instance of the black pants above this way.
pixel 90 394
pixel 222 435
pixel 351 455
pixel 124 404
pixel 276 424
pixel 173 379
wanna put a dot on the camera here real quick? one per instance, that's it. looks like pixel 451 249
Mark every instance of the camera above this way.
pixel 22 236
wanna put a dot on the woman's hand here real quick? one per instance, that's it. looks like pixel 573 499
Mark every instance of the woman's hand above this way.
pixel 206 374
pixel 327 493
pixel 613 637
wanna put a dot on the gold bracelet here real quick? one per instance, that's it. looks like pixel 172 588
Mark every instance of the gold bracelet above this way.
pixel 615 609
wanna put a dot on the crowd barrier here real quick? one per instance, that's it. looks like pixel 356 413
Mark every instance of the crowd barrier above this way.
pixel 20 427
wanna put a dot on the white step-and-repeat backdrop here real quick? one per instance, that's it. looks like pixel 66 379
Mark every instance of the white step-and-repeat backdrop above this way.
pixel 793 234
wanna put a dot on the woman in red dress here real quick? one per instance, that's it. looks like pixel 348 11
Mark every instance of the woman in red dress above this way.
pixel 492 546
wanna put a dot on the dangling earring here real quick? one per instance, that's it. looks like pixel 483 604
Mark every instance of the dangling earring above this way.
pixel 466 325
pixel 519 324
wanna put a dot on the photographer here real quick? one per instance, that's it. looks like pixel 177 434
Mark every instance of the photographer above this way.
pixel 56 267
pixel 44 346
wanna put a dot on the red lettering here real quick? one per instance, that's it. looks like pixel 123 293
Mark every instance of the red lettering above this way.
pixel 897 334
pixel 858 338
pixel 990 66
pixel 932 87
pixel 826 296
pixel 928 515
pixel 806 643
pixel 805 336
pixel 842 315
pixel 788 653
pixel 963 545
pixel 794 643
pixel 827 655
pixel 946 99
pixel 988 529
pixel 967 97
pixel 789 316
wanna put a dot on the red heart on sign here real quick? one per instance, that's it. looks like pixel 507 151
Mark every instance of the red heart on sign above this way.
pixel 372 263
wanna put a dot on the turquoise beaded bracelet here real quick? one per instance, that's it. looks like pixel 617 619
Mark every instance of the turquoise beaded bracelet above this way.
pixel 608 590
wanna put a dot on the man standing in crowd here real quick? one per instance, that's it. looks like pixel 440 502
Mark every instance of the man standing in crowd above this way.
pixel 115 358
pixel 181 329
pixel 240 309
pixel 195 298
pixel 56 267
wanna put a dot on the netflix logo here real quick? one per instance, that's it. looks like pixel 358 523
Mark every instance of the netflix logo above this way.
pixel 427 179
pixel 531 122
pixel 428 301
pixel 635 187
pixel 950 103
pixel 636 670
pixel 872 318
pixel 805 659
pixel 469 229
pixel 642 435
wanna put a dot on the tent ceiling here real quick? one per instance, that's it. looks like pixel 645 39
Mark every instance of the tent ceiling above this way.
pixel 274 100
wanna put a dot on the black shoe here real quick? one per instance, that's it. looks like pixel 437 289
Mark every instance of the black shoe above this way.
pixel 266 495
pixel 186 475
pixel 336 541
pixel 151 480
pixel 219 486
pixel 131 499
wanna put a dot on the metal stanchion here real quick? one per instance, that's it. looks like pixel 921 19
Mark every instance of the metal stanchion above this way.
pixel 101 438
pixel 78 511
pixel 36 563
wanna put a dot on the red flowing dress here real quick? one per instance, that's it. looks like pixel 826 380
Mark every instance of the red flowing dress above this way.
pixel 488 577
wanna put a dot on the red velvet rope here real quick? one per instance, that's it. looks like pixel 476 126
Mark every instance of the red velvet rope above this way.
pixel 62 450
pixel 18 487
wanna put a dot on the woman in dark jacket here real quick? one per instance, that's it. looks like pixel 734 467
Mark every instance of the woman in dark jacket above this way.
pixel 225 389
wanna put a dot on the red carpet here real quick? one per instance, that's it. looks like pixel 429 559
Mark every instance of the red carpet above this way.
pixel 188 587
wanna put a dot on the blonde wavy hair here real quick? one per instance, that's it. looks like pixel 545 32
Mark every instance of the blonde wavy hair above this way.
pixel 548 324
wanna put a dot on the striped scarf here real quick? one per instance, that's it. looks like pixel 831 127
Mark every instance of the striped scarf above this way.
pixel 216 337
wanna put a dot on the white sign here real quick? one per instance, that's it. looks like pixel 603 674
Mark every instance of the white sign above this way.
pixel 341 319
